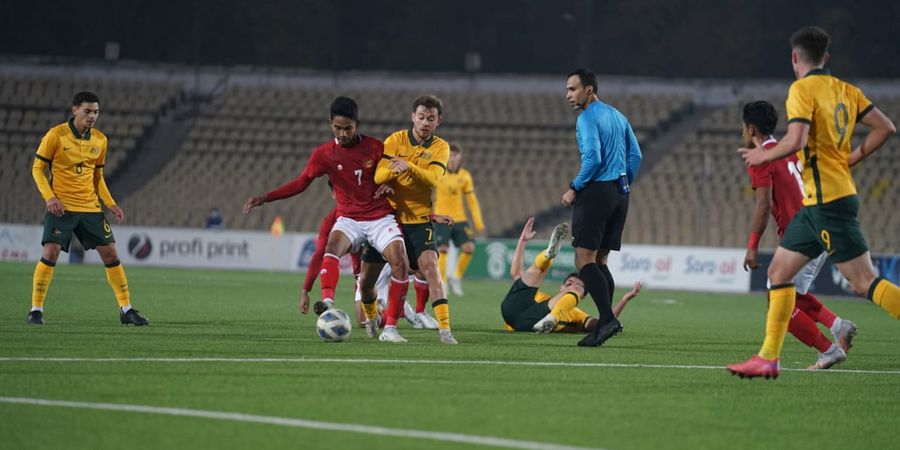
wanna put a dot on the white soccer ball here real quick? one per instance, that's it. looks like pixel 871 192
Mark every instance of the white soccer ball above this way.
pixel 333 326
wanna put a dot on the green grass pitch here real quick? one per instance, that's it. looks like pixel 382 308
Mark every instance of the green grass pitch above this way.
pixel 644 403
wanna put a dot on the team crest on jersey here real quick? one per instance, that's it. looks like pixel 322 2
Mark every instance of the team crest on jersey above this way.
pixel 340 167
pixel 95 150
pixel 426 155
pixel 368 163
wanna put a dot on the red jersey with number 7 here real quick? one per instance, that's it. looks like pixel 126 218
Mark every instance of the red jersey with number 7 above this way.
pixel 784 177
pixel 351 171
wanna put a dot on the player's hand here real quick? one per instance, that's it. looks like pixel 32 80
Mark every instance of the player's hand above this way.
pixel 855 157
pixel 442 219
pixel 117 213
pixel 304 301
pixel 753 156
pixel 384 190
pixel 253 202
pixel 528 232
pixel 638 285
pixel 398 165
pixel 750 262
pixel 55 207
pixel 568 198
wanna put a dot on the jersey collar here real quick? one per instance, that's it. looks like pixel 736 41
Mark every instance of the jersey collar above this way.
pixel 768 143
pixel 822 71
pixel 412 139
pixel 87 134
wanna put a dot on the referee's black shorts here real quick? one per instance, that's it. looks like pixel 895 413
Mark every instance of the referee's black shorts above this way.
pixel 599 216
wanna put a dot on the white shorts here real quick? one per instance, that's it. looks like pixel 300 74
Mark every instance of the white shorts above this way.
pixel 378 233
pixel 805 277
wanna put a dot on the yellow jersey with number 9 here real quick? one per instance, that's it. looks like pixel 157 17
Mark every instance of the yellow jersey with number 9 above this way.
pixel 832 108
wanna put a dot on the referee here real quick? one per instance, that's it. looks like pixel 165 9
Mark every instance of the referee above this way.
pixel 610 159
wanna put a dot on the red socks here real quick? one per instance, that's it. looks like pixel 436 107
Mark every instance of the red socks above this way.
pixel 813 308
pixel 421 294
pixel 804 329
pixel 396 298
pixel 329 275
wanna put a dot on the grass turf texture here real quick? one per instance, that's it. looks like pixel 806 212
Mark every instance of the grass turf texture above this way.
pixel 199 313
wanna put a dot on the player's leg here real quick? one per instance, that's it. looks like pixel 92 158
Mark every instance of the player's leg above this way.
pixel 56 237
pixel 560 306
pixel 535 273
pixel 463 240
pixel 368 275
pixel 347 235
pixel 384 236
pixel 843 330
pixel 427 262
pixel 863 280
pixel 442 235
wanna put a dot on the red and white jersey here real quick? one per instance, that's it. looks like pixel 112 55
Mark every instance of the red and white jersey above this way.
pixel 351 171
pixel 783 176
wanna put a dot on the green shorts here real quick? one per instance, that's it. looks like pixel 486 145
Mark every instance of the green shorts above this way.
pixel 832 227
pixel 459 234
pixel 91 228
pixel 519 309
pixel 417 238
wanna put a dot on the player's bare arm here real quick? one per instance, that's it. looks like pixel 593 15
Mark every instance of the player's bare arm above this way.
pixel 758 224
pixel 253 202
pixel 881 130
pixel 795 139
pixel 528 234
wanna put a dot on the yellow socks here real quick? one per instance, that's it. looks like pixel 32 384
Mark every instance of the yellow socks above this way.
pixel 462 263
pixel 442 265
pixel 882 292
pixel 115 276
pixel 542 262
pixel 442 313
pixel 43 274
pixel 370 310
pixel 564 306
pixel 781 305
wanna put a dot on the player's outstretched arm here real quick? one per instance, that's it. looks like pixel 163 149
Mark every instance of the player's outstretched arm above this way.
pixel 617 310
pixel 253 202
pixel 881 130
pixel 515 269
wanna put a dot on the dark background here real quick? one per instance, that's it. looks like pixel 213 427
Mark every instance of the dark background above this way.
pixel 670 38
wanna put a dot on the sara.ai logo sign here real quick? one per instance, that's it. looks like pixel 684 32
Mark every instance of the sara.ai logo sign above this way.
pixel 139 246
pixel 497 261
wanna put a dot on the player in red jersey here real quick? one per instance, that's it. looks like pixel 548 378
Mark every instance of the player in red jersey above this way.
pixel 778 188
pixel 350 161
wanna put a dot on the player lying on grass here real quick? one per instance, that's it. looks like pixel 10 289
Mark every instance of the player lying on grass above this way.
pixel 527 308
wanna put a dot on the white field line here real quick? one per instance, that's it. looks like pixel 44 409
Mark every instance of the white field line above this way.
pixel 462 362
pixel 299 423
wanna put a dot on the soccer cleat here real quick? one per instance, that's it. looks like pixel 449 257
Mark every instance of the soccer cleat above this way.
pixel 322 305
pixel 390 334
pixel 835 355
pixel 756 367
pixel 455 286
pixel 132 318
pixel 545 325
pixel 410 315
pixel 601 334
pixel 559 234
pixel 844 336
pixel 427 321
pixel 447 337
pixel 372 328
pixel 35 318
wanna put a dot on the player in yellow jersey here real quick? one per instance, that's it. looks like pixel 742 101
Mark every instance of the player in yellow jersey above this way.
pixel 454 189
pixel 75 153
pixel 822 113
pixel 527 308
pixel 414 160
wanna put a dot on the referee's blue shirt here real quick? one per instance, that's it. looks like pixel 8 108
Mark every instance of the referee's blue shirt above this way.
pixel 607 145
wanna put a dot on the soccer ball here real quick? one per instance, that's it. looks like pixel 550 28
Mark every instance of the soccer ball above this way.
pixel 333 326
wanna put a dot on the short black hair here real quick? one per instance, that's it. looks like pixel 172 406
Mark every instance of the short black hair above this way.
pixel 345 107
pixel 762 115
pixel 570 275
pixel 587 78
pixel 455 148
pixel 85 97
pixel 812 43
pixel 429 101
